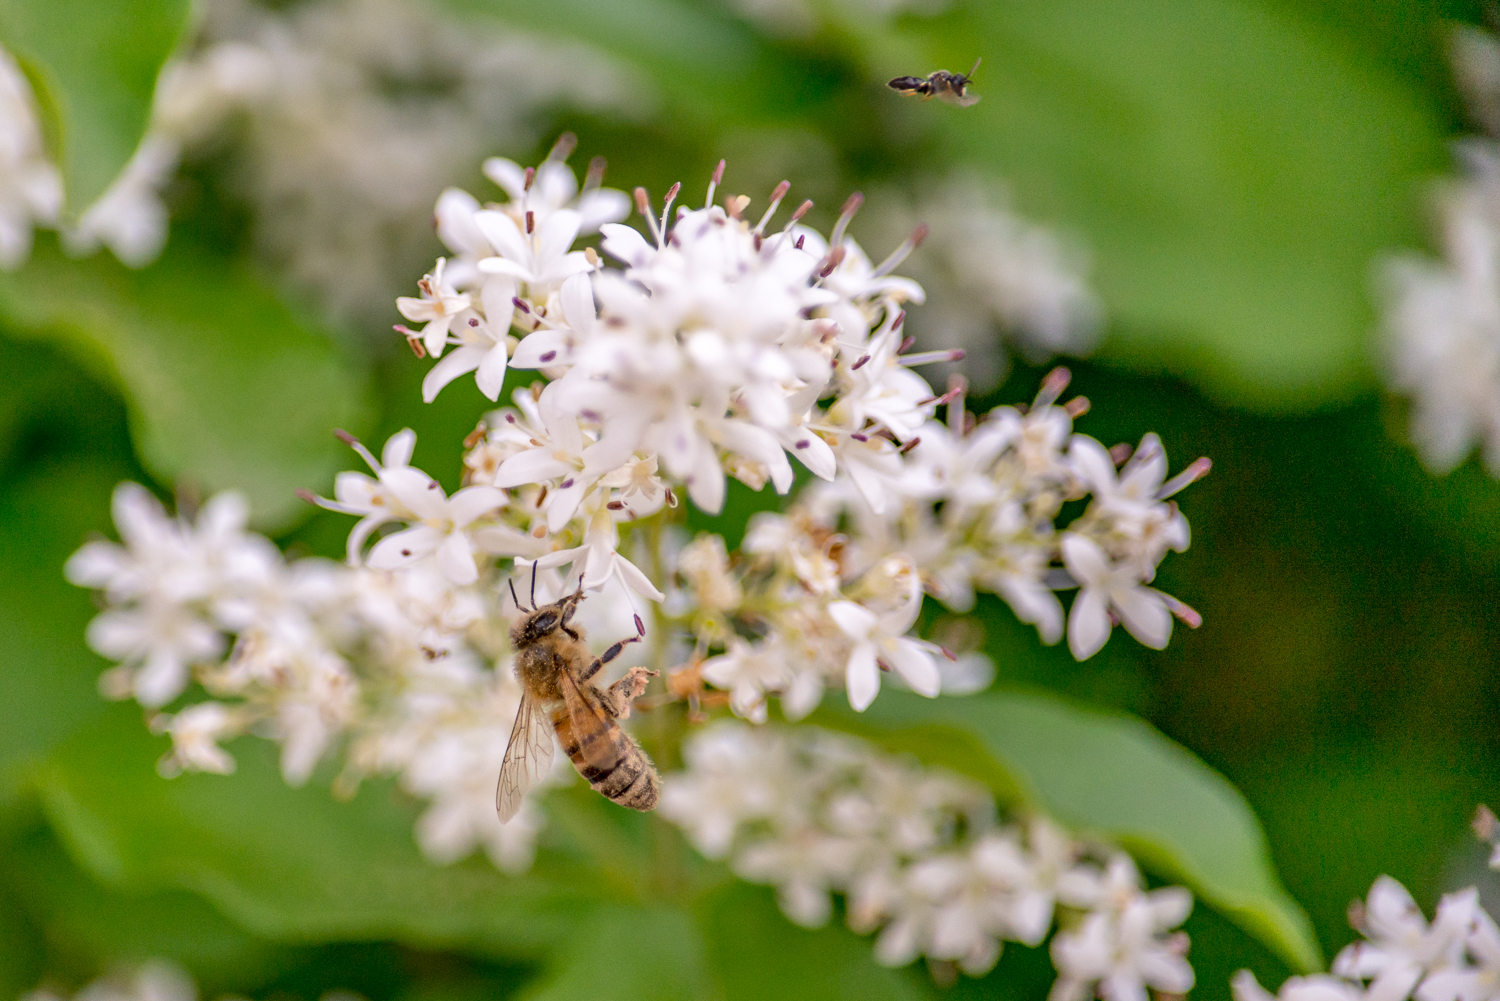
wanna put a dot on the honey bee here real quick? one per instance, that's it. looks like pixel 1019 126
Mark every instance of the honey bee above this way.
pixel 554 666
pixel 945 86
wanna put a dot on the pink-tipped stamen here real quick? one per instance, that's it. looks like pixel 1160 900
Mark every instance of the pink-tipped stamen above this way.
pixel 1077 406
pixel 1185 613
pixel 900 253
pixel 666 209
pixel 713 184
pixel 643 206
pixel 358 446
pixel 594 179
pixel 776 196
pixel 563 148
pixel 851 206
pixel 1053 385
pixel 1192 474
pixel 928 357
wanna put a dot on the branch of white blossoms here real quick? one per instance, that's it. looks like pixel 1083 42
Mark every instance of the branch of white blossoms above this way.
pixel 721 349
pixel 152 980
pixel 1400 955
pixel 920 856
pixel 1442 317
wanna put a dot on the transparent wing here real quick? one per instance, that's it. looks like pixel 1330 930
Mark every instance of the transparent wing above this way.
pixel 527 758
pixel 962 102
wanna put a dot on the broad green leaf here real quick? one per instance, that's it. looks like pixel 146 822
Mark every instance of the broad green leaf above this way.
pixel 95 65
pixel 47 675
pixel 227 387
pixel 20 950
pixel 295 864
pixel 91 927
pixel 757 953
pixel 1110 775
pixel 1233 167
pixel 650 954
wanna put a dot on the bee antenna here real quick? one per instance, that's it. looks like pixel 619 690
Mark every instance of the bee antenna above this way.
pixel 512 582
pixel 533 584
pixel 971 73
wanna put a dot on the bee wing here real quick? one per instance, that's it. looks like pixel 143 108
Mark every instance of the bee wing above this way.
pixel 585 716
pixel 961 100
pixel 527 758
pixel 909 84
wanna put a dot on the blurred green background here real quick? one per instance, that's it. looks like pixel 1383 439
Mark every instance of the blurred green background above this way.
pixel 1235 167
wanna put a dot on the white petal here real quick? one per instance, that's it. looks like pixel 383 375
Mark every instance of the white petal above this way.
pixel 419 492
pixel 1088 624
pixel 491 375
pixel 535 465
pixel 456 558
pixel 862 677
pixel 853 618
pixel 915 665
pixel 1144 615
pixel 398 448
pixel 1084 559
pixel 503 234
pixel 458 362
pixel 471 502
pixel 405 547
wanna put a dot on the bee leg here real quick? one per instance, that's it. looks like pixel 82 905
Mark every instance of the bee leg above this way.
pixel 617 697
pixel 606 657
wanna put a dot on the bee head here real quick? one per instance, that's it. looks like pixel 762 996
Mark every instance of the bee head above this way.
pixel 544 621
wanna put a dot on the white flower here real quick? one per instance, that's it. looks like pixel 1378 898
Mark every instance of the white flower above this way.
pixel 539 254
pixel 597 560
pixel 443 526
pixel 31 190
pixel 1400 947
pixel 1317 987
pixel 372 499
pixel 196 732
pixel 880 639
pixel 129 217
pixel 438 307
pixel 483 344
pixel 1477 980
pixel 1105 587
pixel 1118 952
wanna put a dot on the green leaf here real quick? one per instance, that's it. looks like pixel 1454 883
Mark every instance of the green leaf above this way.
pixel 1111 775
pixel 227 387
pixel 757 953
pixel 1234 167
pixel 627 953
pixel 47 675
pixel 89 927
pixel 295 864
pixel 95 67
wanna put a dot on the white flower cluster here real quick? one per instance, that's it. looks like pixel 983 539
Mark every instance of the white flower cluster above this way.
pixel 152 980
pixel 1442 317
pixel 919 855
pixel 830 589
pixel 722 349
pixel 349 117
pixel 1454 958
pixel 313 654
pixel 717 348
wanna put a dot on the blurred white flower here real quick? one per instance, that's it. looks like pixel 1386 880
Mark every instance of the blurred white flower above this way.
pixel 31 189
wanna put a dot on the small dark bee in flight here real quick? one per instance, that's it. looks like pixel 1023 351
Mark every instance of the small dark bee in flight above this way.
pixel 950 87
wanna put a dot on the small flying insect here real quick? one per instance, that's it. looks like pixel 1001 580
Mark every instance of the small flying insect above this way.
pixel 553 665
pixel 950 87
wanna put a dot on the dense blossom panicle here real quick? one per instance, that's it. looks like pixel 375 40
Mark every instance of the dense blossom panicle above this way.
pixel 921 858
pixel 649 367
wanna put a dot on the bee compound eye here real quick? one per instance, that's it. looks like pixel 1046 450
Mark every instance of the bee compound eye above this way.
pixel 544 623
